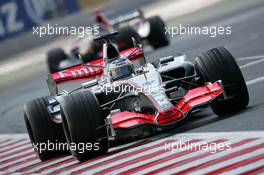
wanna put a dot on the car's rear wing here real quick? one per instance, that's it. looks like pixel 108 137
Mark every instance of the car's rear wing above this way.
pixel 126 18
pixel 84 72
pixel 108 24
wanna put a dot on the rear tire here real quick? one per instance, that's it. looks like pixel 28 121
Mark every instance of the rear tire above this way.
pixel 157 37
pixel 83 123
pixel 219 64
pixel 54 57
pixel 124 38
pixel 42 130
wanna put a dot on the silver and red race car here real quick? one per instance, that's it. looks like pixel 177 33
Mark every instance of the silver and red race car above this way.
pixel 119 102
pixel 132 25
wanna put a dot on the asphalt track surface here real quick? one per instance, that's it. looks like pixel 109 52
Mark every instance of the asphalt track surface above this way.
pixel 247 40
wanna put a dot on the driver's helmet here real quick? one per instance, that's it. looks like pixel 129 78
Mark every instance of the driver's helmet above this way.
pixel 121 68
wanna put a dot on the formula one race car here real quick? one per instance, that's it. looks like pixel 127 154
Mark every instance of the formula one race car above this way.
pixel 149 30
pixel 133 25
pixel 123 102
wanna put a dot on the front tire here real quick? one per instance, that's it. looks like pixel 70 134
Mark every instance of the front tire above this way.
pixel 42 130
pixel 83 123
pixel 219 64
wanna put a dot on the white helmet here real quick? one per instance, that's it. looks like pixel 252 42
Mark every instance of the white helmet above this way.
pixel 121 68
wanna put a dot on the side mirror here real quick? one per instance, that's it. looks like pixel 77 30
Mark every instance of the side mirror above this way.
pixel 134 42
pixel 80 58
pixel 53 88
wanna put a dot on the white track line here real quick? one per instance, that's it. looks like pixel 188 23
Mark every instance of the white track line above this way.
pixel 160 156
pixel 125 145
pixel 18 154
pixel 251 63
pixel 258 79
pixel 9 142
pixel 176 8
pixel 18 149
pixel 21 143
pixel 202 160
pixel 246 168
pixel 227 162
pixel 71 162
pixel 226 135
pixel 250 58
pixel 2 140
pixel 23 165
pixel 124 152
pixel 50 170
pixel 14 136
pixel 254 81
pixel 17 161
pixel 50 163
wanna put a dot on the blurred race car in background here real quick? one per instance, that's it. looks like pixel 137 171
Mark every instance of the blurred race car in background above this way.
pixel 129 103
pixel 133 25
